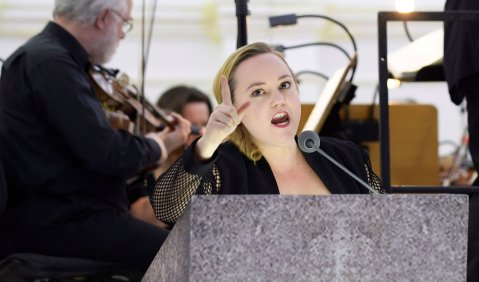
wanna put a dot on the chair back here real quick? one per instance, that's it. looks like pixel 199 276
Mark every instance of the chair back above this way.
pixel 37 267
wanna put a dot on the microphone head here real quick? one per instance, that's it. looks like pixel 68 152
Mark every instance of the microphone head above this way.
pixel 308 141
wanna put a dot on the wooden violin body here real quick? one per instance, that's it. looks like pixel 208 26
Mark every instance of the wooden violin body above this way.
pixel 123 106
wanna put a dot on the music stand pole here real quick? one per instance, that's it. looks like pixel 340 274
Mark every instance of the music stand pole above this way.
pixel 241 13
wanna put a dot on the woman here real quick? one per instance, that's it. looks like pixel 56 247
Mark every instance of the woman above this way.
pixel 258 114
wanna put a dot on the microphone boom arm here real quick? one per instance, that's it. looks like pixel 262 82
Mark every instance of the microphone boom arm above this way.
pixel 346 170
pixel 309 142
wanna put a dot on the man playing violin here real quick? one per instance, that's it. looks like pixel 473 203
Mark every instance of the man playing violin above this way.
pixel 65 167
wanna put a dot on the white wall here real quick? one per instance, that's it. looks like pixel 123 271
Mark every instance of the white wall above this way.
pixel 192 37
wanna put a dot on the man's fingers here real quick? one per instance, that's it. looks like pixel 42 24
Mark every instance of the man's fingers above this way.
pixel 225 91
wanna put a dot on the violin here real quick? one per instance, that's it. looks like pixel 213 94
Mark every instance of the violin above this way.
pixel 123 106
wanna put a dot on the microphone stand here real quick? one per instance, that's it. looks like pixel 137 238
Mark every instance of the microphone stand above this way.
pixel 320 74
pixel 282 48
pixel 292 19
pixel 241 13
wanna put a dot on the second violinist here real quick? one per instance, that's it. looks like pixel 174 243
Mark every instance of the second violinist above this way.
pixel 66 168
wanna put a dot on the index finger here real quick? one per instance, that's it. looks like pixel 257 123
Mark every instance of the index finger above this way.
pixel 225 91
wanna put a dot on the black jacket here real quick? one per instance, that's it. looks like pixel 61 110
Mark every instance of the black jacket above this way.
pixel 231 172
pixel 461 47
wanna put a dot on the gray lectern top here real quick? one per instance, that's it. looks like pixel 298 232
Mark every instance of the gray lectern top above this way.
pixel 317 238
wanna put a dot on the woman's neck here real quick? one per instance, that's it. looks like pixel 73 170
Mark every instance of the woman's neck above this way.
pixel 284 158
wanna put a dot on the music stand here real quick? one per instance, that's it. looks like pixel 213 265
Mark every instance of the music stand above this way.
pixel 406 62
pixel 327 98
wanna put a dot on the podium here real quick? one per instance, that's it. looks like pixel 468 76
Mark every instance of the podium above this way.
pixel 317 238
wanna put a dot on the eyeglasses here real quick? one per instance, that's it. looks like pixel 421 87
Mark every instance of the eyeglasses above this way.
pixel 127 24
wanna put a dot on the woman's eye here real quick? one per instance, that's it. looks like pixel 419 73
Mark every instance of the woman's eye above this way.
pixel 257 92
pixel 285 85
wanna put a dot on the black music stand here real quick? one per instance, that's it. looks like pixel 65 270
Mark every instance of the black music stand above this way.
pixel 383 19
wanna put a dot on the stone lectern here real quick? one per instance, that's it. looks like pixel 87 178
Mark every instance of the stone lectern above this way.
pixel 317 238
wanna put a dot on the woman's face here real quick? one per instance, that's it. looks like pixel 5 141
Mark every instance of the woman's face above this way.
pixel 273 115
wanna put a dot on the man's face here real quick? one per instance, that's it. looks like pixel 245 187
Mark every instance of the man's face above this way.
pixel 105 46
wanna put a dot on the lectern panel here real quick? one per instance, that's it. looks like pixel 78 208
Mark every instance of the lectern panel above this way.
pixel 317 238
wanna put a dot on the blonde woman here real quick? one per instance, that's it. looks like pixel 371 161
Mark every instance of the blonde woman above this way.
pixel 249 145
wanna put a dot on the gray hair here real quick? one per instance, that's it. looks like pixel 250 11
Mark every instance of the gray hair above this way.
pixel 85 11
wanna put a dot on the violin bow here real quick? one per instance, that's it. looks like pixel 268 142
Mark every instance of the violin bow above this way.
pixel 145 52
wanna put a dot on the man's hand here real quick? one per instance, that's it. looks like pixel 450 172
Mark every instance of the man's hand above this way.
pixel 170 140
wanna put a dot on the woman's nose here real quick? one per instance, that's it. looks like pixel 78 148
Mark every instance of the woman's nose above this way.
pixel 278 99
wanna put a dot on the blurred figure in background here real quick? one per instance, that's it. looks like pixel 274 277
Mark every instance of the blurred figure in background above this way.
pixel 190 103
pixel 461 67
pixel 194 106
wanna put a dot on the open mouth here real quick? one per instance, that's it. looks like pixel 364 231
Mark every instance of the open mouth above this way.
pixel 280 119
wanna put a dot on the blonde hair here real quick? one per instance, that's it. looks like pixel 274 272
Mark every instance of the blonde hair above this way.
pixel 241 137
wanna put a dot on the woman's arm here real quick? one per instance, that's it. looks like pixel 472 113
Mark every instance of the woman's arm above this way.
pixel 186 177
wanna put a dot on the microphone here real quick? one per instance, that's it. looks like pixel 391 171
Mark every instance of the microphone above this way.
pixel 309 142
pixel 195 129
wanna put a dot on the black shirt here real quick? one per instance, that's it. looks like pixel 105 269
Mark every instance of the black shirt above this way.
pixel 56 143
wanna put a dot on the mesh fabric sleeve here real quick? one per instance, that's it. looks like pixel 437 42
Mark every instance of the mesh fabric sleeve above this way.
pixel 175 188
pixel 373 179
